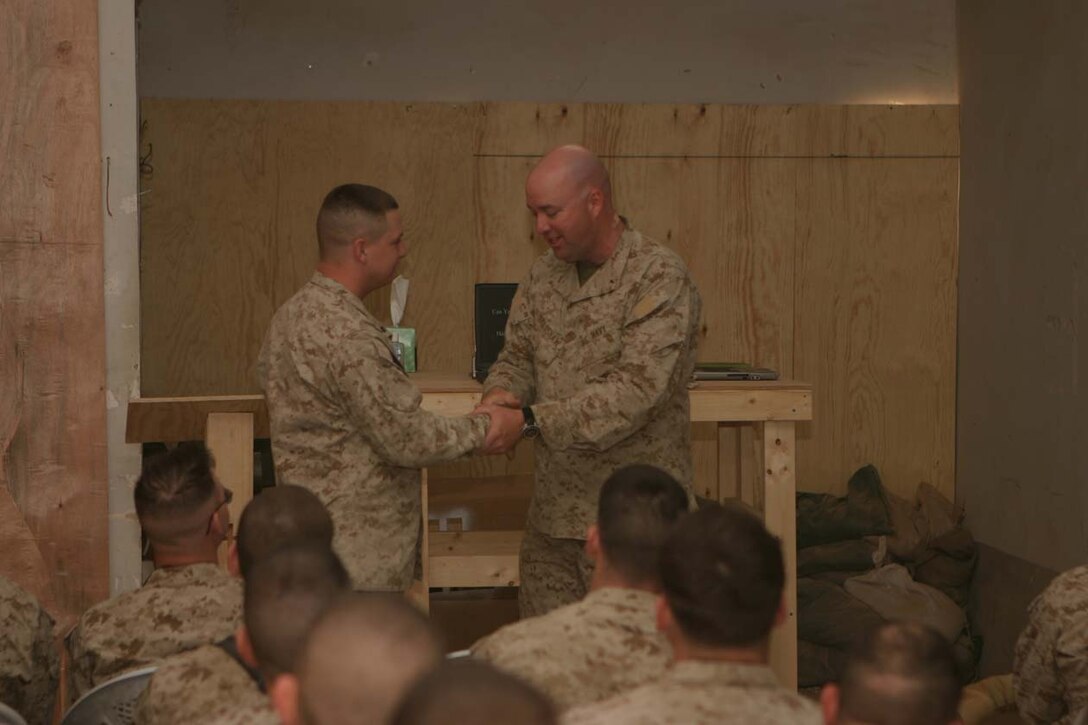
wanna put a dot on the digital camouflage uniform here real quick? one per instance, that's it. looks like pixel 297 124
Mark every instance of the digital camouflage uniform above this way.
pixel 704 693
pixel 178 609
pixel 347 424
pixel 1050 667
pixel 197 686
pixel 584 652
pixel 605 366
pixel 29 660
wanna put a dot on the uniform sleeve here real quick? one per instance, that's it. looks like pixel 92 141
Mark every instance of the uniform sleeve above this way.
pixel 385 407
pixel 1040 695
pixel 657 342
pixel 513 371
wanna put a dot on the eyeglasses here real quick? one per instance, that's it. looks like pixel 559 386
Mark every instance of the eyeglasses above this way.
pixel 228 496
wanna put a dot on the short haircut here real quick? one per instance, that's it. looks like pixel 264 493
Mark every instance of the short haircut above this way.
pixel 903 673
pixel 470 692
pixel 172 492
pixel 636 509
pixel 285 593
pixel 722 576
pixel 347 210
pixel 281 516
pixel 362 656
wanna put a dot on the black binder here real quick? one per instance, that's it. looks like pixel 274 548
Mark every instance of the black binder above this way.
pixel 492 308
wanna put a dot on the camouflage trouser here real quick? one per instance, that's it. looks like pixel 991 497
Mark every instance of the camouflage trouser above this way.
pixel 553 572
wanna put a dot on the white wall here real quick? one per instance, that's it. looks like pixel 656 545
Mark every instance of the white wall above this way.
pixel 724 51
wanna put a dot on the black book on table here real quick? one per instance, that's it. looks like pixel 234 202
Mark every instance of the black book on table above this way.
pixel 492 308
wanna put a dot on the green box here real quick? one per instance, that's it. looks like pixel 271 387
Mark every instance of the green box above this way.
pixel 406 336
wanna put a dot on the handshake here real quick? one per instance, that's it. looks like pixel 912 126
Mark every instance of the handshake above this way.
pixel 506 421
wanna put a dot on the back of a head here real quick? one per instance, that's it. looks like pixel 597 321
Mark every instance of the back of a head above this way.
pixel 348 211
pixel 636 510
pixel 285 594
pixel 722 575
pixel 470 692
pixel 903 673
pixel 361 658
pixel 281 516
pixel 175 494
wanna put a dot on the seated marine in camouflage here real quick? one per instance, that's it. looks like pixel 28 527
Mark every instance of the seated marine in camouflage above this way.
pixel 1050 666
pixel 226 679
pixel 29 661
pixel 189 600
pixel 608 642
pixel 722 574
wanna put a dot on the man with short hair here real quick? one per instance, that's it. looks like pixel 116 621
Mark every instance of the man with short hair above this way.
pixel 608 642
pixel 722 576
pixel 1050 664
pixel 358 662
pixel 29 662
pixel 473 693
pixel 345 418
pixel 903 673
pixel 188 600
pixel 278 519
pixel 599 348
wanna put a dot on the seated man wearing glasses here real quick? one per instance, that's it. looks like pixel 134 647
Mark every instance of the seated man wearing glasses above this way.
pixel 188 600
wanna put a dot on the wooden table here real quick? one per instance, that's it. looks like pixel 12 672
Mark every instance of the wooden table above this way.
pixel 489 558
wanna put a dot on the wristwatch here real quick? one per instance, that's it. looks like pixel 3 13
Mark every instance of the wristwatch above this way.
pixel 530 429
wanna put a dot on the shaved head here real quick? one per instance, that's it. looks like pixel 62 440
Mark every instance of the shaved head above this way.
pixel 281 516
pixel 469 692
pixel 361 658
pixel 350 212
pixel 904 673
pixel 573 166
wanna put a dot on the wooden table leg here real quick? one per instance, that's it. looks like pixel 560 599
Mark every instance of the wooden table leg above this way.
pixel 420 592
pixel 229 437
pixel 780 516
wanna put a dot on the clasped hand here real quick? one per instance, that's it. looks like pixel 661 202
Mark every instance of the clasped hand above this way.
pixel 506 421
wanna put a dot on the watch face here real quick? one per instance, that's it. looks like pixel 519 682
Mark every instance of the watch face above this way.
pixel 530 431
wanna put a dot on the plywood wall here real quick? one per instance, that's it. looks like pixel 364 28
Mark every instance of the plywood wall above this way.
pixel 53 531
pixel 823 240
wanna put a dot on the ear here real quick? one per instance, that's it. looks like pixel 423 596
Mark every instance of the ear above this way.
pixel 829 703
pixel 358 249
pixel 234 565
pixel 245 645
pixel 780 615
pixel 663 615
pixel 283 691
pixel 595 201
pixel 593 543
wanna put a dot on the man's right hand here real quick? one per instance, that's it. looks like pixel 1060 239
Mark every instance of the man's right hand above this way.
pixel 498 396
pixel 503 430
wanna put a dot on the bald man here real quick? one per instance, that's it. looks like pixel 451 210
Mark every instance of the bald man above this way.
pixel 358 662
pixel 600 346
pixel 346 421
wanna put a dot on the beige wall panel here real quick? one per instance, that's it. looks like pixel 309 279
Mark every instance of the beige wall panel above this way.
pixel 835 270
pixel 52 338
pixel 520 129
pixel 875 320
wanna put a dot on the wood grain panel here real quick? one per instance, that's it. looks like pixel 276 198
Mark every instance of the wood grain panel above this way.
pixel 52 338
pixel 876 301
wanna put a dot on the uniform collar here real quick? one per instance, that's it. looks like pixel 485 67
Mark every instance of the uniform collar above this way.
pixel 331 286
pixel 717 672
pixel 605 279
